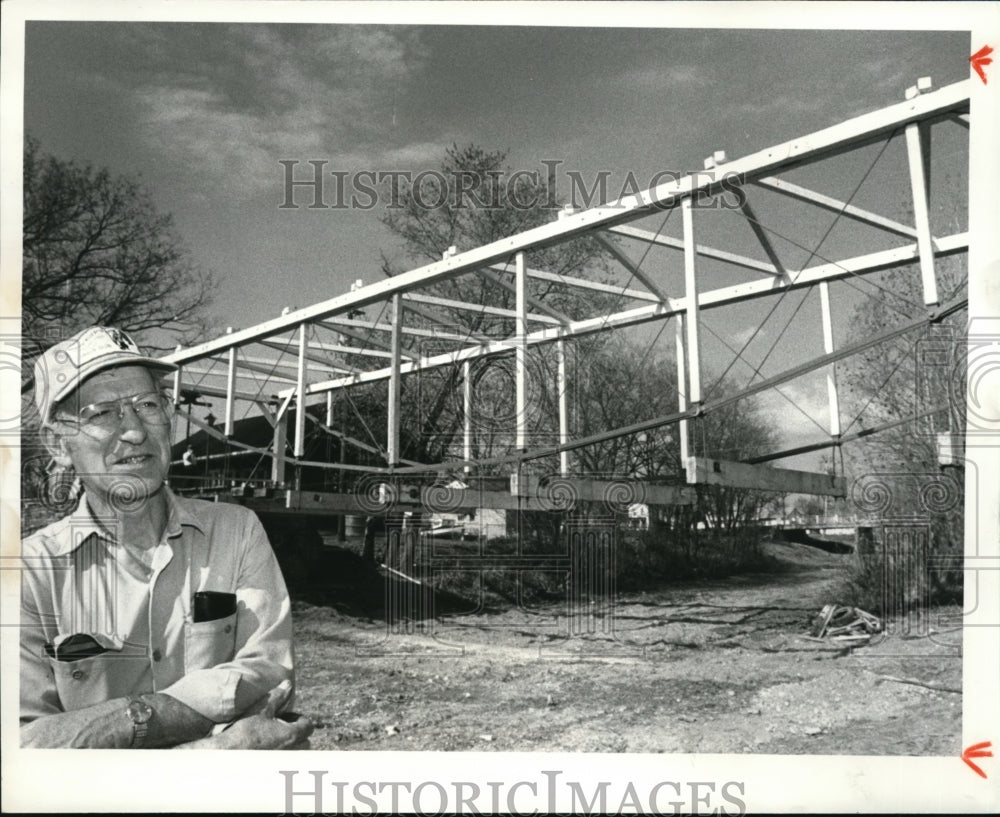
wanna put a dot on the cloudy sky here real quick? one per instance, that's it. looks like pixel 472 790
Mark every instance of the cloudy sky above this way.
pixel 204 113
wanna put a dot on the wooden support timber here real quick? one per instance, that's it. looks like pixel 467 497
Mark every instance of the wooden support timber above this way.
pixel 705 471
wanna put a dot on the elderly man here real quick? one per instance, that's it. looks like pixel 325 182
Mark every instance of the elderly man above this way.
pixel 148 620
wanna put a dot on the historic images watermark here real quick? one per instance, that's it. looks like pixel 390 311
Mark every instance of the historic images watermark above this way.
pixel 312 185
pixel 546 794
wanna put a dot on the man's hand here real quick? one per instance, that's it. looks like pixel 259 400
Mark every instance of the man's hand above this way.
pixel 258 732
pixel 261 727
pixel 273 702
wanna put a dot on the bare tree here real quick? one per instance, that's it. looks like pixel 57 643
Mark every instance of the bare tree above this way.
pixel 918 382
pixel 96 251
pixel 474 199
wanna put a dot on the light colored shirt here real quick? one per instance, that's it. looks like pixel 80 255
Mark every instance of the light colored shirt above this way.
pixel 78 579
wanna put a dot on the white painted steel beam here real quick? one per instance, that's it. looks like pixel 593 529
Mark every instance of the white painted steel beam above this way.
pixel 230 388
pixel 467 412
pixel 412 331
pixel 494 275
pixel 799 193
pixel 847 268
pixel 438 320
pixel 682 403
pixel 220 392
pixel 339 348
pixel 921 216
pixel 300 400
pixel 242 363
pixel 831 372
pixel 278 444
pixel 392 446
pixel 708 252
pixel 562 384
pixel 521 354
pixel 178 374
pixel 761 234
pixel 594 286
pixel 691 304
pixel 362 338
pixel 623 259
pixel 449 303
pixel 321 360
pixel 838 138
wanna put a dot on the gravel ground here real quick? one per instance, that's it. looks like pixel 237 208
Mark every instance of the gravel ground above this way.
pixel 710 667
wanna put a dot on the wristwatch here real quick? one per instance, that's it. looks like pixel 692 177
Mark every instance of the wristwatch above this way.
pixel 139 713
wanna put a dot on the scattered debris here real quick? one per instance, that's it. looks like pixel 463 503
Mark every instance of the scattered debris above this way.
pixel 916 682
pixel 850 626
pixel 487 738
pixel 392 730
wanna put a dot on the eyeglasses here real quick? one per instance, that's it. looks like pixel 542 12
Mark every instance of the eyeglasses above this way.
pixel 102 419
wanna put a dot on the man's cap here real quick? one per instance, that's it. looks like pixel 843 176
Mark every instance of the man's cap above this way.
pixel 62 368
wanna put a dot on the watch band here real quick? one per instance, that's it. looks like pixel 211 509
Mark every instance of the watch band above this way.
pixel 139 713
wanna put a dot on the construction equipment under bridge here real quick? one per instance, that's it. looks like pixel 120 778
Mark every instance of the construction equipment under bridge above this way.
pixel 285 377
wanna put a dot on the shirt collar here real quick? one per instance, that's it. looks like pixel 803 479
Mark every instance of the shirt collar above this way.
pixel 81 524
pixel 180 514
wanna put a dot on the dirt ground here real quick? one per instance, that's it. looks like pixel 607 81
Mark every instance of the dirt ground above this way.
pixel 709 667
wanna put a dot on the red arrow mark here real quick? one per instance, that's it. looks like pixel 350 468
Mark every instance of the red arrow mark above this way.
pixel 980 59
pixel 977 750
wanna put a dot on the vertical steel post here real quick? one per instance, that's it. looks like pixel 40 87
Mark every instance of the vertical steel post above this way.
pixel 682 402
pixel 831 371
pixel 467 413
pixel 563 386
pixel 280 440
pixel 521 353
pixel 177 382
pixel 230 387
pixel 300 392
pixel 392 446
pixel 918 184
pixel 691 303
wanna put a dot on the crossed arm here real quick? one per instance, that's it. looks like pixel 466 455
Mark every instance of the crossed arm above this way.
pixel 245 692
pixel 106 726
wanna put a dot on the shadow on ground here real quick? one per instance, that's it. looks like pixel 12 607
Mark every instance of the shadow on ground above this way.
pixel 331 576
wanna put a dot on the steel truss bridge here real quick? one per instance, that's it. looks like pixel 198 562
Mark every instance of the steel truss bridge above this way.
pixel 308 356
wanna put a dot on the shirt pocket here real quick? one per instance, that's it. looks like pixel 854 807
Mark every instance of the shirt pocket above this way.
pixel 208 643
pixel 86 681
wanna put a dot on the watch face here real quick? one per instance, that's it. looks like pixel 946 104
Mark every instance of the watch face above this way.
pixel 139 711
